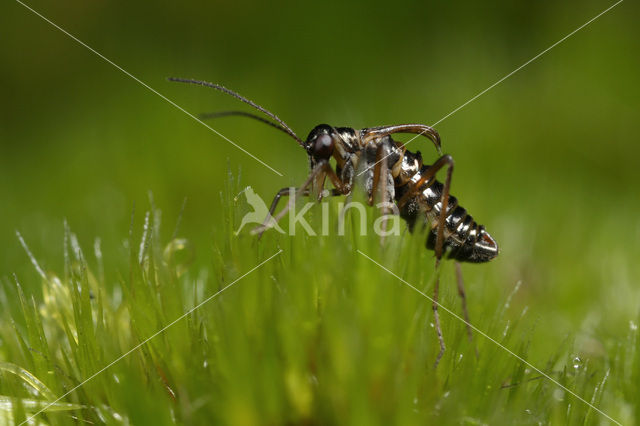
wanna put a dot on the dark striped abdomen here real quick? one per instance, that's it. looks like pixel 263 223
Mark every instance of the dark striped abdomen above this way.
pixel 464 239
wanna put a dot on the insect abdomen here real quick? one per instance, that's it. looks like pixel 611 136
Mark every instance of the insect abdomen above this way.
pixel 464 239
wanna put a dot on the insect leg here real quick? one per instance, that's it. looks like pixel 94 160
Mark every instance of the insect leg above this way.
pixel 319 172
pixel 378 169
pixel 436 316
pixel 444 200
pixel 285 192
pixel 448 160
pixel 340 187
pixel 384 209
pixel 380 175
pixel 426 176
pixel 419 129
pixel 415 188
pixel 429 173
pixel 299 191
pixel 463 298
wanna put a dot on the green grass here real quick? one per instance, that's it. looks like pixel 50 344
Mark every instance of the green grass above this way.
pixel 317 335
pixel 547 160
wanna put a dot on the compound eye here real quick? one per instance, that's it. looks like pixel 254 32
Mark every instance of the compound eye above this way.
pixel 323 146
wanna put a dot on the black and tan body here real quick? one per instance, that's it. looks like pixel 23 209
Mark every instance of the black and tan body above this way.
pixel 464 239
pixel 419 202
pixel 389 174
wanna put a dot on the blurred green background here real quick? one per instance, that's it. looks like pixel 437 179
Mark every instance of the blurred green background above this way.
pixel 547 160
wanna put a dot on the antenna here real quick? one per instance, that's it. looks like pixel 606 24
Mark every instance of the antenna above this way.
pixel 223 89
pixel 208 115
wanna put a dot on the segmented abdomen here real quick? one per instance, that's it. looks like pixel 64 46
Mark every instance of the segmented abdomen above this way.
pixel 464 239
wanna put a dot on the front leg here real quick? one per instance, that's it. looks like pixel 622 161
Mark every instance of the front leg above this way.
pixel 284 192
pixel 318 174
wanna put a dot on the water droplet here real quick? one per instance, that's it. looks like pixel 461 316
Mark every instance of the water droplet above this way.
pixel 577 363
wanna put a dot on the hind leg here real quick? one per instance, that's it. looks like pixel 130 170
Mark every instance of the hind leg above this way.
pixel 436 316
pixel 427 176
pixel 463 299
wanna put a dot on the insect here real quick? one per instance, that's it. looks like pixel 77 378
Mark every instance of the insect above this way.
pixel 392 173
